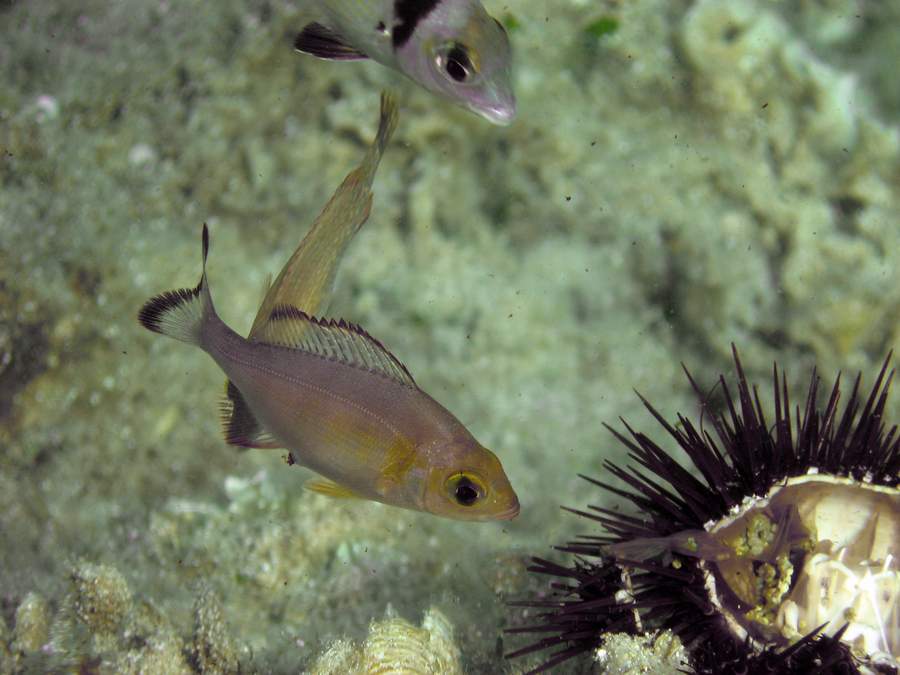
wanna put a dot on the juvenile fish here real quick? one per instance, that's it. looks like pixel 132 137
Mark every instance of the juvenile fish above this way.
pixel 344 406
pixel 452 48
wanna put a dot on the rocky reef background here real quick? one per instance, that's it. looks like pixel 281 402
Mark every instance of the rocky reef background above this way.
pixel 682 175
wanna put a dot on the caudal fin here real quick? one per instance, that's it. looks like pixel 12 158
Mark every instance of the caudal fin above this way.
pixel 180 314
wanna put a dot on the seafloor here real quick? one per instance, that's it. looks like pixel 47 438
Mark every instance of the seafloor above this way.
pixel 681 176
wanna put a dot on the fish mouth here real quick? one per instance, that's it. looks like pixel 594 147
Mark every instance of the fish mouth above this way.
pixel 501 115
pixel 496 105
pixel 509 513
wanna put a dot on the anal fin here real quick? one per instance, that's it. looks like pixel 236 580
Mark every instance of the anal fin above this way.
pixel 239 426
pixel 329 488
pixel 323 42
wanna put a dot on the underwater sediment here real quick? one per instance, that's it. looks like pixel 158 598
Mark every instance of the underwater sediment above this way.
pixel 680 175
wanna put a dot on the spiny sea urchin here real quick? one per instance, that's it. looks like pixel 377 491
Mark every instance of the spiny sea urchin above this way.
pixel 778 552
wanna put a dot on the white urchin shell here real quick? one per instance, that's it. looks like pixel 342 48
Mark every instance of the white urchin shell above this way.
pixel 834 549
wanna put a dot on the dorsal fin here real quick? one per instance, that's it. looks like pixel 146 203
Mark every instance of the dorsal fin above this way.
pixel 267 284
pixel 339 340
pixel 325 43
pixel 239 426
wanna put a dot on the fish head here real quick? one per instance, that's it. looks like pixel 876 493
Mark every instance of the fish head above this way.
pixel 462 53
pixel 466 482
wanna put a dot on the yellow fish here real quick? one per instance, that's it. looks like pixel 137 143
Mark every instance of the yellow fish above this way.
pixel 332 394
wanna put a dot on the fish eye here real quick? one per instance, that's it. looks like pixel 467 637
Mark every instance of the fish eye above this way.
pixel 465 489
pixel 456 63
pixel 466 494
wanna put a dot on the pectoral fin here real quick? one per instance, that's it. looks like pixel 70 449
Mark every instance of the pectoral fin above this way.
pixel 398 461
pixel 321 41
pixel 329 488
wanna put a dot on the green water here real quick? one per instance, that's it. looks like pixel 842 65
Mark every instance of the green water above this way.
pixel 681 176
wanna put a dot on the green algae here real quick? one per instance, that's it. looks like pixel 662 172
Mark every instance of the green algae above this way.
pixel 713 174
pixel 511 23
pixel 605 25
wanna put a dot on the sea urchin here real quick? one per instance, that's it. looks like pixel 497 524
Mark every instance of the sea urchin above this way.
pixel 776 552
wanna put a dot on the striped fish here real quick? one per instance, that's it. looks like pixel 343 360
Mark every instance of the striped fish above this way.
pixel 452 48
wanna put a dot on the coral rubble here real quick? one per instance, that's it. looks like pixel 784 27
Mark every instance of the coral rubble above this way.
pixel 394 645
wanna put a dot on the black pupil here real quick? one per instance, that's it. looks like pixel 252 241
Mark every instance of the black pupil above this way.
pixel 466 494
pixel 458 64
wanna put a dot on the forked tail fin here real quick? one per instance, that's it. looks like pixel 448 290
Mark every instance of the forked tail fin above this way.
pixel 180 314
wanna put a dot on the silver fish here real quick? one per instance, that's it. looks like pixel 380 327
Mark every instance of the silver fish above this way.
pixel 453 48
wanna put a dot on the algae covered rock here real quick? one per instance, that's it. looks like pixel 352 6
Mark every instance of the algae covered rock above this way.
pixel 149 643
pixel 100 627
pixel 6 656
pixel 32 628
pixel 659 653
pixel 102 599
pixel 213 649
pixel 731 45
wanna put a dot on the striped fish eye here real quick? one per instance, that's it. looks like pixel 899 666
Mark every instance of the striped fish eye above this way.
pixel 456 62
pixel 465 488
